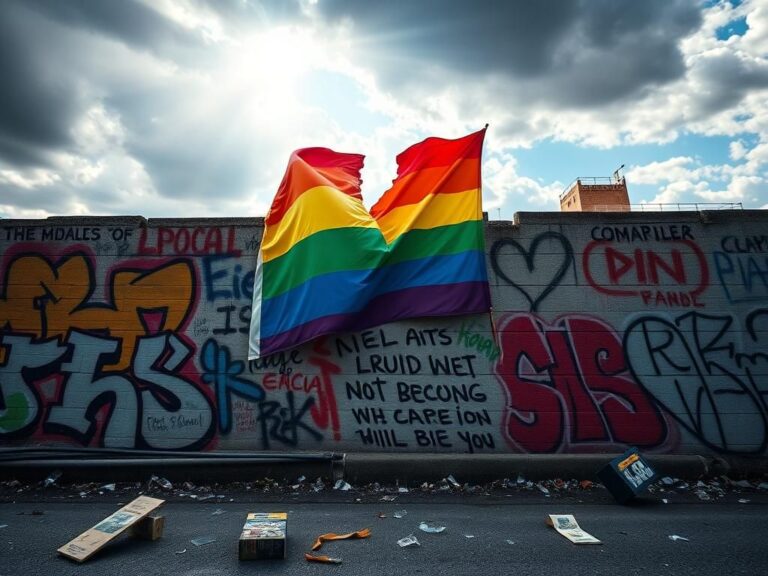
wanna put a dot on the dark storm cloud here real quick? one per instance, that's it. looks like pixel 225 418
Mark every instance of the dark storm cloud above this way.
pixel 127 21
pixel 625 44
pixel 37 103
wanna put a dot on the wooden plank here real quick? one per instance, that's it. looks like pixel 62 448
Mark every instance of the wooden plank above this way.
pixel 93 539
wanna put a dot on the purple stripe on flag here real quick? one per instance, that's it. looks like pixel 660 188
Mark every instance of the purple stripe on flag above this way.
pixel 437 300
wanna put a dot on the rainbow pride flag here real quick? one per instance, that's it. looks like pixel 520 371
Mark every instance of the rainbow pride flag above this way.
pixel 326 264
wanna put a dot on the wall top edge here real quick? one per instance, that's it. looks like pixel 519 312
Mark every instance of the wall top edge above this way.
pixel 520 218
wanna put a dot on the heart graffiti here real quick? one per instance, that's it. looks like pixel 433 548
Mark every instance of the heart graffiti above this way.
pixel 528 280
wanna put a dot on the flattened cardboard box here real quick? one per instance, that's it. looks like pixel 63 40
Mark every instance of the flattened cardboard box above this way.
pixel 264 535
pixel 90 541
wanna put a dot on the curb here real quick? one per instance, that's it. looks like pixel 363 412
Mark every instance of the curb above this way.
pixel 363 468
pixel 477 468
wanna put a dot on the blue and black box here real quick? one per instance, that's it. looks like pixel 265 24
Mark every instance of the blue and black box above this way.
pixel 627 476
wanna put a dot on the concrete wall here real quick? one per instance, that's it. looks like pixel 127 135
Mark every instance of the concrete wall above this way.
pixel 615 329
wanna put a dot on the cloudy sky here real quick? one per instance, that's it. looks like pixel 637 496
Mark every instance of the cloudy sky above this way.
pixel 192 107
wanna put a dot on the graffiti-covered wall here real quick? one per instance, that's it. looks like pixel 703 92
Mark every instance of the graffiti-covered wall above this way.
pixel 610 330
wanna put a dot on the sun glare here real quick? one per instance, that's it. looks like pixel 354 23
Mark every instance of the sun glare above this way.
pixel 270 64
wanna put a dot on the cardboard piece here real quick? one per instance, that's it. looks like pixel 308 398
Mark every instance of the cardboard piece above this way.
pixel 566 525
pixel 149 528
pixel 92 540
pixel 264 535
pixel 627 475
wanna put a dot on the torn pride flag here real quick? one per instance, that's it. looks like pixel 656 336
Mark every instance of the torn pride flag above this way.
pixel 326 264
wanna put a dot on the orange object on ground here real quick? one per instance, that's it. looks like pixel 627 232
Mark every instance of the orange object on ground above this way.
pixel 324 559
pixel 364 533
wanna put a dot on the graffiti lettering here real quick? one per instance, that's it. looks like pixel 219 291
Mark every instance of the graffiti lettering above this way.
pixel 693 368
pixel 626 272
pixel 743 276
pixel 567 384
pixel 185 241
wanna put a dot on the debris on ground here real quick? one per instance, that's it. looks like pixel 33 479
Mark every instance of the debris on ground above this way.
pixel 159 481
pixel 203 540
pixel 469 535
pixel 263 536
pixel 342 485
pixel 400 514
pixel 409 540
pixel 324 559
pixel 364 533
pixel 93 539
pixel 452 481
pixel 181 551
pixel 566 525
pixel 675 538
pixel 511 542
pixel 52 478
pixel 388 498
pixel 218 512
pixel 431 528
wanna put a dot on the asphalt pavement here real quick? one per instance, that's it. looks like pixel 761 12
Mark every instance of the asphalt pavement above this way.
pixel 489 529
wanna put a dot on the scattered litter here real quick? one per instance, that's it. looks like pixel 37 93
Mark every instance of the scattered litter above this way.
pixel 342 485
pixel 675 538
pixel 409 540
pixel 431 528
pixel 400 514
pixel 585 484
pixel 203 498
pixel 452 481
pixel 318 485
pixel 665 501
pixel 301 479
pixel 469 535
pixel 566 525
pixel 324 559
pixel 181 551
pixel 263 536
pixel 109 487
pixel 520 480
pixel 743 501
pixel 542 488
pixel 667 481
pixel 52 478
pixel 93 539
pixel 3 525
pixel 218 512
pixel 702 495
pixel 388 498
pixel 203 540
pixel 162 482
pixel 364 533
pixel 627 476
pixel 402 490
pixel 510 542
pixel 382 515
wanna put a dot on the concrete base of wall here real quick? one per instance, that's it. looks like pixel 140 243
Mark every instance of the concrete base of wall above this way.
pixel 362 468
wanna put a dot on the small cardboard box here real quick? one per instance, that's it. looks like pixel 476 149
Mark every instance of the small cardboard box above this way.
pixel 264 535
pixel 627 476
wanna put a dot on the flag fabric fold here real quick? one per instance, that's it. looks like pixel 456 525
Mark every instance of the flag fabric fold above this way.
pixel 326 264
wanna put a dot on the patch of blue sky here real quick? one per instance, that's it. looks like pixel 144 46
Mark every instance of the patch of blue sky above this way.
pixel 343 100
pixel 551 161
pixel 736 27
